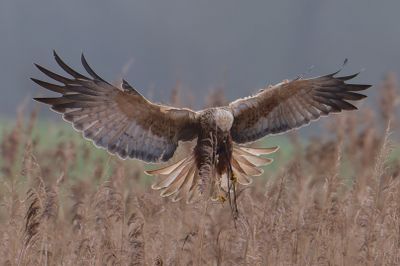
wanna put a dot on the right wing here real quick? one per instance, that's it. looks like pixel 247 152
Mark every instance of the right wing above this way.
pixel 119 120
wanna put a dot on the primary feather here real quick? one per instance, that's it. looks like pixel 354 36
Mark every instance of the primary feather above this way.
pixel 292 104
pixel 117 119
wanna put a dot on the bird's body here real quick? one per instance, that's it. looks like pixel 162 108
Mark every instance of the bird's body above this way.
pixel 215 158
pixel 125 123
pixel 214 136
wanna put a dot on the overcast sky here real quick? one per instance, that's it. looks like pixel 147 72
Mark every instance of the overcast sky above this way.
pixel 202 43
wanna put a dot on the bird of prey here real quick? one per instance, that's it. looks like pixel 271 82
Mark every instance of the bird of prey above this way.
pixel 122 121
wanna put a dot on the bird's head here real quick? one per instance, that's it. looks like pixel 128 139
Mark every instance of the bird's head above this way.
pixel 223 120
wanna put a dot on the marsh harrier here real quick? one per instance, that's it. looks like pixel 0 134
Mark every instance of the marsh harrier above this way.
pixel 122 121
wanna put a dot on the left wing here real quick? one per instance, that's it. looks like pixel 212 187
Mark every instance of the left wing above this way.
pixel 292 104
pixel 120 120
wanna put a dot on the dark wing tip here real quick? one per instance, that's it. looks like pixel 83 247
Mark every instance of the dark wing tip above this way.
pixel 332 74
pixel 126 86
pixel 344 78
pixel 361 96
pixel 357 87
pixel 57 57
pixel 83 59
pixel 367 86
pixel 53 75
pixel 45 100
pixel 49 86
pixel 37 81
pixel 44 70
pixel 39 67
pixel 66 68
pixel 90 70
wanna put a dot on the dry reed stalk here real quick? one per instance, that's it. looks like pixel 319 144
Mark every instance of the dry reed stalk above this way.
pixel 10 146
pixel 109 212
pixel 337 202
pixel 136 240
pixel 389 98
pixel 216 98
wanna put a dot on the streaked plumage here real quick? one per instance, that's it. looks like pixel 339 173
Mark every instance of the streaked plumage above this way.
pixel 125 123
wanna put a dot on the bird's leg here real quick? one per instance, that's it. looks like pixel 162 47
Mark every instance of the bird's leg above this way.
pixel 213 139
pixel 231 180
pixel 228 177
pixel 229 188
pixel 235 208
pixel 232 188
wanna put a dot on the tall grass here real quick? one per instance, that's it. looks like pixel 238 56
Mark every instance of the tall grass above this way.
pixel 334 201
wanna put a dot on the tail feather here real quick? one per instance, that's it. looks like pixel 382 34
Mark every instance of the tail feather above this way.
pixel 168 179
pixel 256 151
pixel 181 179
pixel 178 181
pixel 241 177
pixel 257 161
pixel 248 169
pixel 183 191
pixel 165 170
pixel 244 161
pixel 194 191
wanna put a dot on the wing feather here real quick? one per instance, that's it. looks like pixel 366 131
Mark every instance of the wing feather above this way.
pixel 292 104
pixel 118 119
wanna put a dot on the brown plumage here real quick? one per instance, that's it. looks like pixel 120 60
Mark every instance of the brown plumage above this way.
pixel 125 123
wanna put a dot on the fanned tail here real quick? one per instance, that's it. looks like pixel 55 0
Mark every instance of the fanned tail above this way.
pixel 178 180
pixel 247 162
pixel 181 179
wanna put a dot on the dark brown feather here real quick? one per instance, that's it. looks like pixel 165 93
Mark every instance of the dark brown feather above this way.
pixel 122 121
pixel 289 105
pixel 66 68
pixel 50 86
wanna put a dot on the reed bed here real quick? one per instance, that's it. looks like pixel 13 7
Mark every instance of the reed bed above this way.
pixel 335 201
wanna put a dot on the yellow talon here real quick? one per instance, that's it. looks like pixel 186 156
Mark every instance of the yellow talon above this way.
pixel 219 198
pixel 233 178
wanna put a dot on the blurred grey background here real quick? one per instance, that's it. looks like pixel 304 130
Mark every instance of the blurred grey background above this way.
pixel 241 45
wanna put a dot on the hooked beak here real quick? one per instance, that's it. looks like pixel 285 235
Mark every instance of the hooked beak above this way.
pixel 225 136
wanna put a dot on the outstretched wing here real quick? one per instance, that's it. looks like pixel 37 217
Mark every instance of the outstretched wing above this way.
pixel 292 104
pixel 119 120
